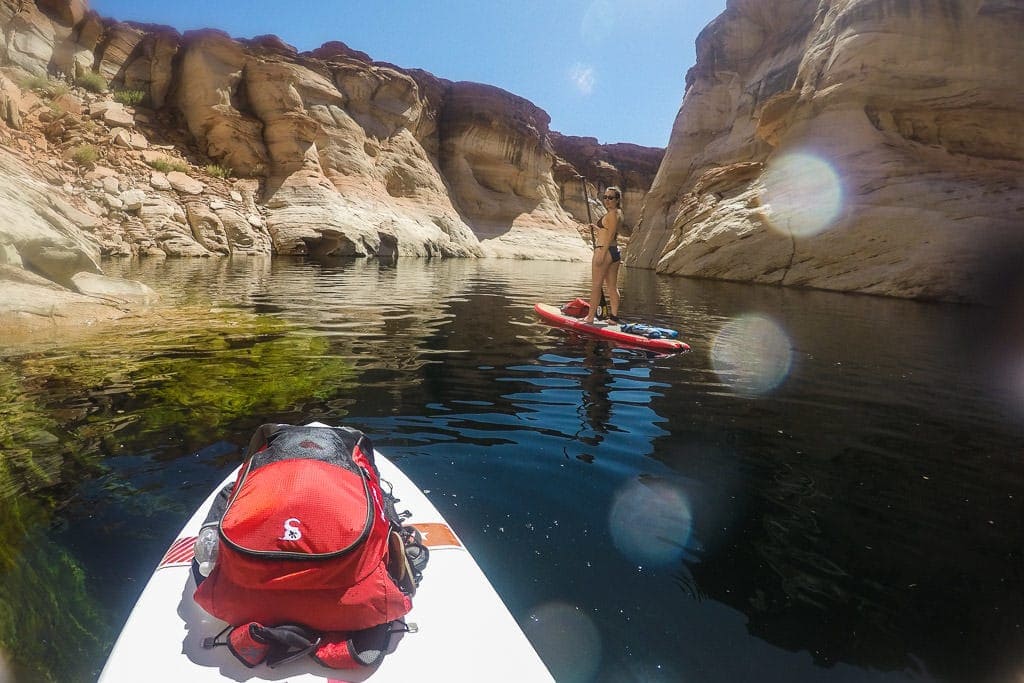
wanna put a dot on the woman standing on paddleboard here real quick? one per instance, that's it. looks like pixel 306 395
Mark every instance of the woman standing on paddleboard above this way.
pixel 604 267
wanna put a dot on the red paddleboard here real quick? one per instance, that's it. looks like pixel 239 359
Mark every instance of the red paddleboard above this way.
pixel 612 332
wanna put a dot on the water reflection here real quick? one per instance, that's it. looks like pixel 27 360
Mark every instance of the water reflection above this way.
pixel 857 518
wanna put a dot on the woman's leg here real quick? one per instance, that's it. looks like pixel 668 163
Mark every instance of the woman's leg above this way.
pixel 611 281
pixel 598 269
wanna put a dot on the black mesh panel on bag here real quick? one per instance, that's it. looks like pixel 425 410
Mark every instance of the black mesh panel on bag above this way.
pixel 329 444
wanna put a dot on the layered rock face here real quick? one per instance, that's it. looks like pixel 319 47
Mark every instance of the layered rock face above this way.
pixel 857 145
pixel 241 147
pixel 495 152
pixel 49 272
pixel 354 157
pixel 629 167
pixel 336 139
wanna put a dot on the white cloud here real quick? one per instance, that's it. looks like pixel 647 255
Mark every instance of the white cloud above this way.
pixel 582 76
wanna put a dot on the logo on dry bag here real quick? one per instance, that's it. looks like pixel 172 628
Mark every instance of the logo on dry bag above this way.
pixel 291 530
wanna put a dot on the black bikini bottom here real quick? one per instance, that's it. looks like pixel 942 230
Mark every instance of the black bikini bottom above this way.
pixel 614 251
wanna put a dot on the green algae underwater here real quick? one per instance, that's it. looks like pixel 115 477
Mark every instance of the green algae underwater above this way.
pixel 190 372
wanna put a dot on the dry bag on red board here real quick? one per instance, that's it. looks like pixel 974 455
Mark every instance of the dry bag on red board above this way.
pixel 310 546
pixel 577 308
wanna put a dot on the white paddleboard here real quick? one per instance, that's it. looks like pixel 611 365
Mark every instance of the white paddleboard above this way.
pixel 465 632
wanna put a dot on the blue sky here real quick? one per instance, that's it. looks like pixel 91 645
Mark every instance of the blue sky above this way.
pixel 611 70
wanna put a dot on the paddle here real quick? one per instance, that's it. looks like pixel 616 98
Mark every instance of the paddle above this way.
pixel 603 305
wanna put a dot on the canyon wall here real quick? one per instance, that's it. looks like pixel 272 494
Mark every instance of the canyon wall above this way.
pixel 158 144
pixel 857 145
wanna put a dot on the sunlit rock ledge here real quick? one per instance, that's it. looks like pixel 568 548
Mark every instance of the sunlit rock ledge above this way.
pixel 49 270
pixel 160 144
pixel 857 145
pixel 250 146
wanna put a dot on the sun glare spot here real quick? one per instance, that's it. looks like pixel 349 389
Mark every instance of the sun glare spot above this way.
pixel 567 641
pixel 1015 376
pixel 802 193
pixel 751 354
pixel 650 522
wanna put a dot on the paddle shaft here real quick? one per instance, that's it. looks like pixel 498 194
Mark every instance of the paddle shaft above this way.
pixel 593 240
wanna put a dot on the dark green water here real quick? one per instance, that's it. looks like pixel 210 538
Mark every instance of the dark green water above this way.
pixel 828 488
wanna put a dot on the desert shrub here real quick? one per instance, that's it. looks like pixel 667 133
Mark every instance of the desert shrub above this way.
pixel 43 85
pixel 167 165
pixel 85 155
pixel 34 83
pixel 218 171
pixel 129 97
pixel 92 82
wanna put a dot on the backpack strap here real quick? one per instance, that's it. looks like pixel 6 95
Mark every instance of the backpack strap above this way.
pixel 407 555
pixel 364 648
pixel 406 559
pixel 247 645
pixel 254 643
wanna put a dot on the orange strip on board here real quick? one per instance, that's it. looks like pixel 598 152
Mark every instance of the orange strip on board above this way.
pixel 437 535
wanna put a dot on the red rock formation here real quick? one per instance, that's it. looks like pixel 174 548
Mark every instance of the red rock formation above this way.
pixel 629 167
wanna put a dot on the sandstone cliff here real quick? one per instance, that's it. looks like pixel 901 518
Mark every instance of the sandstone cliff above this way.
pixel 859 145
pixel 198 144
pixel 629 167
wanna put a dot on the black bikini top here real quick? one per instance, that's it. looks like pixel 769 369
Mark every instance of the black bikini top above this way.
pixel 600 224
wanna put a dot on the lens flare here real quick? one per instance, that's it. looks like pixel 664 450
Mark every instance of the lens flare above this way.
pixel 566 640
pixel 802 193
pixel 650 522
pixel 751 354
pixel 1013 373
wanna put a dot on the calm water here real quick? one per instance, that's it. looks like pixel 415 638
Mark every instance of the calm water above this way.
pixel 828 488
